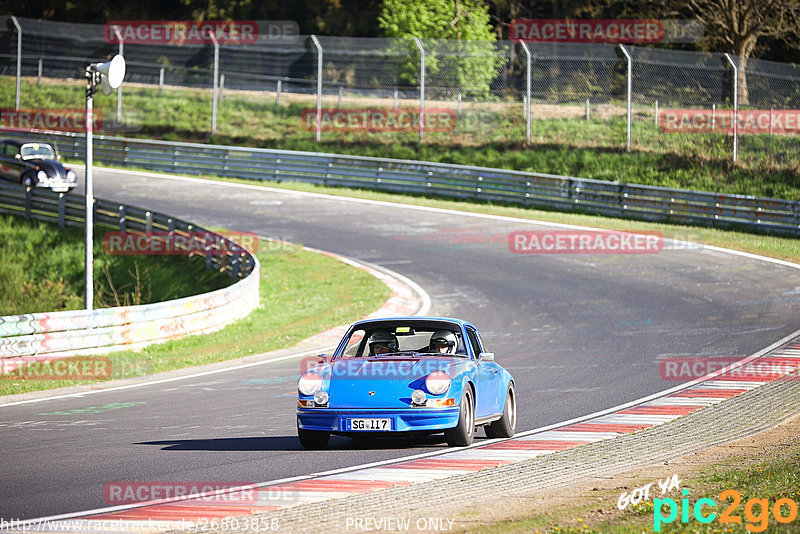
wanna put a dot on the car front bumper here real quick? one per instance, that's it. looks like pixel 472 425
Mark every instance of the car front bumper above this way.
pixel 402 420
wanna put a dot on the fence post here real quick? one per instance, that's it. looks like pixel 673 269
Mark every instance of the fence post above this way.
pixel 215 82
pixel 732 63
pixel 630 75
pixel 396 98
pixel 160 80
pixel 319 86
pixel 119 89
pixel 62 209
pixel 527 93
pixel 222 87
pixel 458 105
pixel 278 94
pixel 39 73
pixel 655 114
pixel 340 97
pixel 19 56
pixel 421 88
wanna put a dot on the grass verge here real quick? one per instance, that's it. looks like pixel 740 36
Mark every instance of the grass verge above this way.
pixel 43 271
pixel 485 134
pixel 302 293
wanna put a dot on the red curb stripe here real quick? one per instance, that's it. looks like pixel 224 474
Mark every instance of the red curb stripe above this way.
pixel 604 427
pixel 542 445
pixel 661 410
pixel 176 513
pixel 749 377
pixel 445 464
pixel 331 485
pixel 710 393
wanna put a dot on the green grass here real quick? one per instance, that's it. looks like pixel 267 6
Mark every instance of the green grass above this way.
pixel 489 135
pixel 43 271
pixel 302 293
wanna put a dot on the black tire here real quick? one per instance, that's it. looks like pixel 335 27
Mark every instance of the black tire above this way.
pixel 463 433
pixel 506 425
pixel 313 439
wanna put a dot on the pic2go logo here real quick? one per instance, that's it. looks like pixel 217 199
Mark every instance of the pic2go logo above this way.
pixel 756 511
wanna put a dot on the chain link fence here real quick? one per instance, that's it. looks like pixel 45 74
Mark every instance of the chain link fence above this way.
pixel 680 102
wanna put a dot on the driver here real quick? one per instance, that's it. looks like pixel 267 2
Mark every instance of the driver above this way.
pixel 382 342
pixel 443 342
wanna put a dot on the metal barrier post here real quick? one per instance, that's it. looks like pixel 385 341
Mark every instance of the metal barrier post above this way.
pixel 735 68
pixel 630 74
pixel 19 56
pixel 527 93
pixel 214 87
pixel 421 88
pixel 319 86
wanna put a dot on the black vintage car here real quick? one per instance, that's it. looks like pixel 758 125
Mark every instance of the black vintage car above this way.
pixel 34 164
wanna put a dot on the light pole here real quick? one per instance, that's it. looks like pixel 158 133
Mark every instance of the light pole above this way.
pixel 107 76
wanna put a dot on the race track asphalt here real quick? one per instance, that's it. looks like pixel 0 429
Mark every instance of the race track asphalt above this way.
pixel 579 332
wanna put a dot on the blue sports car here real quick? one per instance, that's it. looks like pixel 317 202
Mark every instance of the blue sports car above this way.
pixel 406 375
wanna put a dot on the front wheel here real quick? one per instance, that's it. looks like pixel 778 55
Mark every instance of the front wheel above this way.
pixel 506 425
pixel 464 432
pixel 313 439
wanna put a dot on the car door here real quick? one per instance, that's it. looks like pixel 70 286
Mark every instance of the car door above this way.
pixel 487 377
pixel 10 166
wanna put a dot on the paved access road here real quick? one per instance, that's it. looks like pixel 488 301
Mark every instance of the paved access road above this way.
pixel 579 332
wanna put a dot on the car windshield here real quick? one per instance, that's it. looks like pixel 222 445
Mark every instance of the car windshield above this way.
pixel 37 150
pixel 401 340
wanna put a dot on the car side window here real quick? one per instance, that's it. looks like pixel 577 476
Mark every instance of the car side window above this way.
pixel 9 150
pixel 474 342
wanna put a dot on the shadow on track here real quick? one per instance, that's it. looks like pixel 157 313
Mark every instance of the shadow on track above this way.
pixel 291 443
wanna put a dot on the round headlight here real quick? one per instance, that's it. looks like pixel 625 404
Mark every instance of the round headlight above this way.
pixel 71 176
pixel 321 397
pixel 41 176
pixel 418 397
pixel 437 382
pixel 309 383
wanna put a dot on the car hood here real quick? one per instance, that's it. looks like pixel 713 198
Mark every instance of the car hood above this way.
pixel 52 167
pixel 384 382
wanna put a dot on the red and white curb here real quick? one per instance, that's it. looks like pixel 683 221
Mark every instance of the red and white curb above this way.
pixel 185 513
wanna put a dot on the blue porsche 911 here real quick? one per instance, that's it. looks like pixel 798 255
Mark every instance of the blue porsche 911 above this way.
pixel 406 375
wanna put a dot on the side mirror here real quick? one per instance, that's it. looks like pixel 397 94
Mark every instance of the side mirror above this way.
pixel 486 356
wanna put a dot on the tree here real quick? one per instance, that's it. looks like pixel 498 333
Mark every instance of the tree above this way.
pixel 739 24
pixel 460 41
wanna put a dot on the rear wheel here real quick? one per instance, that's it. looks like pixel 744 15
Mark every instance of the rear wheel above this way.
pixel 464 432
pixel 506 425
pixel 313 439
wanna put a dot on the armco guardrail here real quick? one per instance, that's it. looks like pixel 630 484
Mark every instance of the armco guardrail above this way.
pixel 458 181
pixel 100 330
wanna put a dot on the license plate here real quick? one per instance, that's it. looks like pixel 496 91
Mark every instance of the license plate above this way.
pixel 368 424
pixel 60 188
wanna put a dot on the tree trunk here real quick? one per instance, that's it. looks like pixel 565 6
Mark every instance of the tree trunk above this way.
pixel 743 48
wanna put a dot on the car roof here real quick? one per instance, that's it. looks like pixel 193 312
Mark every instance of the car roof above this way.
pixel 388 321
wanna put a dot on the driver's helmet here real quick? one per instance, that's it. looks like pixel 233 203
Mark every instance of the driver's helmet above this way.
pixel 382 342
pixel 443 342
